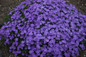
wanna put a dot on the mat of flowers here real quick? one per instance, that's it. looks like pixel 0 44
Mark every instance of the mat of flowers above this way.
pixel 45 28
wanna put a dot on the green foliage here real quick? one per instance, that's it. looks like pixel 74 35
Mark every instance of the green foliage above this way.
pixel 7 18
pixel 22 14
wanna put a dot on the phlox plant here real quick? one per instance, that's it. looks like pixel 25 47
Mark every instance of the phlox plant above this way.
pixel 45 28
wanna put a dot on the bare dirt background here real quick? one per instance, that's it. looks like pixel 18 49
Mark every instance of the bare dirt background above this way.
pixel 7 5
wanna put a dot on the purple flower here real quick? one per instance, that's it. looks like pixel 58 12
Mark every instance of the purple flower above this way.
pixel 41 28
pixel 16 39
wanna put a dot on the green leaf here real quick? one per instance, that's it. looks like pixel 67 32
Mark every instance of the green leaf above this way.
pixel 7 18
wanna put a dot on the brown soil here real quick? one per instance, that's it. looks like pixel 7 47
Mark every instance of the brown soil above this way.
pixel 6 6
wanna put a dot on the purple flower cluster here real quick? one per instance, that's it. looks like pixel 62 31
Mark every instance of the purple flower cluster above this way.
pixel 45 28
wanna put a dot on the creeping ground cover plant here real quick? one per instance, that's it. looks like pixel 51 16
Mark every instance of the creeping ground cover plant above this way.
pixel 45 28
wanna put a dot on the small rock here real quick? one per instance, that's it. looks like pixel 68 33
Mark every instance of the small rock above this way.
pixel 1 53
pixel 84 54
pixel 0 5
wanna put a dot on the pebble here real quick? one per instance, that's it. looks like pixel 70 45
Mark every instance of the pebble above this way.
pixel 0 5
pixel 84 54
pixel 1 53
pixel 85 4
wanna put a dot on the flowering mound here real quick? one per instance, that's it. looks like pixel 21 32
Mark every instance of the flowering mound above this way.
pixel 45 28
